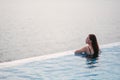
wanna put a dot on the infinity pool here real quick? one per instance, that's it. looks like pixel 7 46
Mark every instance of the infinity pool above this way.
pixel 68 67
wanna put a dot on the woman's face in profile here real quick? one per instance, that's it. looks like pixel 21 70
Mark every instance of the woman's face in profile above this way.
pixel 88 41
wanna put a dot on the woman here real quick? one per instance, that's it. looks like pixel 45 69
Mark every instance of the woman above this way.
pixel 92 49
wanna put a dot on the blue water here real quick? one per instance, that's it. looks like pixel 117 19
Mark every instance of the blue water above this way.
pixel 68 67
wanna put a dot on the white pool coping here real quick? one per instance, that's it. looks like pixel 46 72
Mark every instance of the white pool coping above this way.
pixel 49 56
pixel 38 58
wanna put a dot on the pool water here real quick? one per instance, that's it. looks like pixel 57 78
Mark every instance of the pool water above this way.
pixel 68 67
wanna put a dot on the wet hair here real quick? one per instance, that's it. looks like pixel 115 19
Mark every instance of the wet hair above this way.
pixel 95 45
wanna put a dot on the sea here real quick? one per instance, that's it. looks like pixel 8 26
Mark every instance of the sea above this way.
pixel 30 28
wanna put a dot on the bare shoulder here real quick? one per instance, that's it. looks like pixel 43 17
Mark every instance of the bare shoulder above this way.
pixel 83 49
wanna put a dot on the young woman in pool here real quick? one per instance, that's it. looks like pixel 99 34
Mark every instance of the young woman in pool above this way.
pixel 92 49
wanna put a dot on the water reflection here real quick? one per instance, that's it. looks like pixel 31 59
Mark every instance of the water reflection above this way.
pixel 91 62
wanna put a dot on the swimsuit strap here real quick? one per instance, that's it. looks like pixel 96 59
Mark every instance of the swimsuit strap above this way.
pixel 89 50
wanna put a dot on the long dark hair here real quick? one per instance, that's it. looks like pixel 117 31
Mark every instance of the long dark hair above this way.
pixel 95 45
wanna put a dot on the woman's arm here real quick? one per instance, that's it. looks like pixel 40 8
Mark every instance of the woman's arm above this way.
pixel 81 50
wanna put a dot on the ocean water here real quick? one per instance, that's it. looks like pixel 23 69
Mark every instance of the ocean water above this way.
pixel 66 67
pixel 38 27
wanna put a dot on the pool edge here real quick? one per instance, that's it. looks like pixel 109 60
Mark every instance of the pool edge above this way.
pixel 49 56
